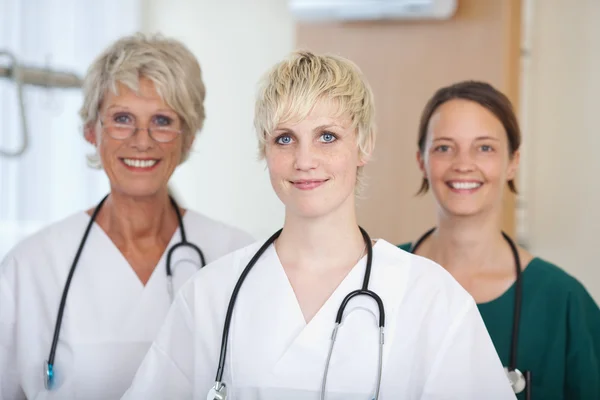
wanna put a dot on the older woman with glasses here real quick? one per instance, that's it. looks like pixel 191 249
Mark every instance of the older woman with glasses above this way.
pixel 82 300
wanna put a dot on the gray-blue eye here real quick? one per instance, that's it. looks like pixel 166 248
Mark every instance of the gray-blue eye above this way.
pixel 161 120
pixel 328 137
pixel 123 119
pixel 284 139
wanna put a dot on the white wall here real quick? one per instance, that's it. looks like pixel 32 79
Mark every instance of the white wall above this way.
pixel 235 41
pixel 51 180
pixel 562 140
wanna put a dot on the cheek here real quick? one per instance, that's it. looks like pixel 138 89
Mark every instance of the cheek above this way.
pixel 177 153
pixel 436 167
pixel 494 169
pixel 107 147
pixel 173 151
pixel 277 163
pixel 343 159
pixel 348 166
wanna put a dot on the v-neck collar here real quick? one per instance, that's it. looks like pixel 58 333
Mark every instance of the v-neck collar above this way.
pixel 123 260
pixel 352 281
pixel 296 345
pixel 319 328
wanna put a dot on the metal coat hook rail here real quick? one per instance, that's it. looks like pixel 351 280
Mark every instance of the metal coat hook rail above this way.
pixel 42 77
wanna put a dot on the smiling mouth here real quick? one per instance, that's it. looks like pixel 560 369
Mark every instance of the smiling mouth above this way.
pixel 308 184
pixel 136 163
pixel 464 185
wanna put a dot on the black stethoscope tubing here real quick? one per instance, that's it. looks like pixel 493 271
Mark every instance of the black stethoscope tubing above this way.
pixel 49 367
pixel 512 363
pixel 219 385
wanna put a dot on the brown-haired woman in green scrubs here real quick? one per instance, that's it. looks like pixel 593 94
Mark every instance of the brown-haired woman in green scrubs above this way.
pixel 544 324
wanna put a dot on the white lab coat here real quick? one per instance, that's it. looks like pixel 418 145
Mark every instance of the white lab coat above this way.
pixel 436 345
pixel 110 318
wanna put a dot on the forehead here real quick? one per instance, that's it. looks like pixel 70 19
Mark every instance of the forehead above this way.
pixel 323 112
pixel 146 94
pixel 464 119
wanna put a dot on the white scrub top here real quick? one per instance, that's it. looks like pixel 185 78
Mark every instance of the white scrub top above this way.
pixel 436 345
pixel 110 318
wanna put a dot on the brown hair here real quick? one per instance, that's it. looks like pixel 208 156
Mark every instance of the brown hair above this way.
pixel 483 94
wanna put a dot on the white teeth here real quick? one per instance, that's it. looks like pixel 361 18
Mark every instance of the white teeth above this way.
pixel 465 185
pixel 132 162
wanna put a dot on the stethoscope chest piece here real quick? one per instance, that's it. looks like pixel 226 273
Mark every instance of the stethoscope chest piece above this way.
pixel 217 392
pixel 48 375
pixel 517 379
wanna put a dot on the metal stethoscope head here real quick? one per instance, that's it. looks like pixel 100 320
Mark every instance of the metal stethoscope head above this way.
pixel 217 392
pixel 516 378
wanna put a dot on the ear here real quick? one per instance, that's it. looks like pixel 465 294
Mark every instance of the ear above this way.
pixel 89 132
pixel 513 165
pixel 421 162
pixel 365 157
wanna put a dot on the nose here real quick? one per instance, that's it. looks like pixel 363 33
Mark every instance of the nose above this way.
pixel 141 139
pixel 463 162
pixel 306 157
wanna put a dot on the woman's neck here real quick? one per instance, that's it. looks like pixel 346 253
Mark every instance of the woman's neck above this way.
pixel 129 219
pixel 460 243
pixel 317 244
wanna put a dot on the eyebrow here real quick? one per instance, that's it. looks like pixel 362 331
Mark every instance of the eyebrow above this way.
pixel 316 128
pixel 477 138
pixel 327 126
pixel 116 106
pixel 161 110
pixel 283 130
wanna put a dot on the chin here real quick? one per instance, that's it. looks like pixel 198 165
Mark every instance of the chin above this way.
pixel 140 191
pixel 309 210
pixel 464 210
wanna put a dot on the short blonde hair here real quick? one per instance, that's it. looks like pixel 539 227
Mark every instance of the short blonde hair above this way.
pixel 293 86
pixel 170 65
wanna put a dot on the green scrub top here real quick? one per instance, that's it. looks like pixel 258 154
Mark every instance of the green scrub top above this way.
pixel 559 333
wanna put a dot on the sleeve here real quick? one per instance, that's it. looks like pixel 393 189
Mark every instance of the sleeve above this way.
pixel 9 379
pixel 167 369
pixel 467 366
pixel 583 351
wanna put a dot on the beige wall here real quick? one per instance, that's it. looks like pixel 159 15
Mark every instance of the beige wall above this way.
pixel 405 63
pixel 235 42
pixel 560 105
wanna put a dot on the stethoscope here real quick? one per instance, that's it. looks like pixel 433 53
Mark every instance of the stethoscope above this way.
pixel 219 390
pixel 518 380
pixel 49 365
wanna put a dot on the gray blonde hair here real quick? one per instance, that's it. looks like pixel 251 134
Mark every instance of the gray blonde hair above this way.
pixel 168 63
pixel 293 86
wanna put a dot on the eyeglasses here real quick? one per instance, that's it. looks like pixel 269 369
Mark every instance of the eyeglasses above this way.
pixel 161 134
